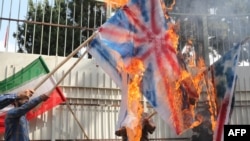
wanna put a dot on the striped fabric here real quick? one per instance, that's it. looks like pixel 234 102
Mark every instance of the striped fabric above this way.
pixel 27 78
pixel 224 79
pixel 139 31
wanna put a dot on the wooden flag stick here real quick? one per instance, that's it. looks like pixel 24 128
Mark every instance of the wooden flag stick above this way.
pixel 152 114
pixel 72 112
pixel 68 106
pixel 69 70
pixel 66 59
pixel 245 40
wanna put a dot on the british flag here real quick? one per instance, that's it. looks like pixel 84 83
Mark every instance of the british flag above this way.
pixel 139 30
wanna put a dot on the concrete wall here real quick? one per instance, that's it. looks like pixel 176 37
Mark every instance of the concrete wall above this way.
pixel 95 100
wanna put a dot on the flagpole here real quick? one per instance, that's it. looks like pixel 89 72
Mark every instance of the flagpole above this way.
pixel 151 115
pixel 66 100
pixel 65 60
pixel 67 72
pixel 245 40
pixel 68 106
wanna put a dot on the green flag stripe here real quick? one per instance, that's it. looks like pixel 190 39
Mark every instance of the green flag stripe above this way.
pixel 30 72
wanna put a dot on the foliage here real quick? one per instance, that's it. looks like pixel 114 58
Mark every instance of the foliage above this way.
pixel 227 21
pixel 78 18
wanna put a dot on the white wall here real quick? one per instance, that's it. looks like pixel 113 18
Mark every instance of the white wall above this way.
pixel 95 100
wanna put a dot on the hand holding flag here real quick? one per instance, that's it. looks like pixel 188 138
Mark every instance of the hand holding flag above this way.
pixel 26 78
pixel 25 93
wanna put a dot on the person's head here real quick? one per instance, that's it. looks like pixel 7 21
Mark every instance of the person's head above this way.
pixel 189 43
pixel 21 101
pixel 25 93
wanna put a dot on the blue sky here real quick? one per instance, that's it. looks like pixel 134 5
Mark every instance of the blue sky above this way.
pixel 14 9
pixel 10 9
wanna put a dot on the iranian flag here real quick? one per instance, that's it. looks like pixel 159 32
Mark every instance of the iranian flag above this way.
pixel 27 78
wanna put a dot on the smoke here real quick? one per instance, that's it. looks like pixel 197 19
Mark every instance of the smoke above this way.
pixel 191 6
pixel 228 21
pixel 221 7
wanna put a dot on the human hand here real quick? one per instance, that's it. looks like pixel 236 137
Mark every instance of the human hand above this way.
pixel 25 94
pixel 121 132
pixel 44 97
pixel 146 121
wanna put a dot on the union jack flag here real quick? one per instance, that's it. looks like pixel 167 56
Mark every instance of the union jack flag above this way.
pixel 139 30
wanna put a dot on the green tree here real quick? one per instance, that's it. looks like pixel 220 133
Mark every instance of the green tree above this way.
pixel 77 20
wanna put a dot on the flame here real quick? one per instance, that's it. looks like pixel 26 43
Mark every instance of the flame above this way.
pixel 172 35
pixel 174 92
pixel 198 78
pixel 116 3
pixel 211 97
pixel 187 114
pixel 199 120
pixel 135 69
pixel 195 77
pixel 201 80
pixel 204 81
pixel 174 97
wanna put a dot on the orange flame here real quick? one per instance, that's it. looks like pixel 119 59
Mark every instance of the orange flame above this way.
pixel 201 80
pixel 116 3
pixel 195 75
pixel 172 35
pixel 174 97
pixel 135 69
pixel 211 97
pixel 198 77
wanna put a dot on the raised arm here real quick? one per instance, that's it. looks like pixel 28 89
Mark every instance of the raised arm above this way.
pixel 7 99
pixel 22 110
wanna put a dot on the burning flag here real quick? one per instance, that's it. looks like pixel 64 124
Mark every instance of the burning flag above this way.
pixel 116 3
pixel 27 78
pixel 139 30
pixel 127 34
pixel 223 73
pixel 133 122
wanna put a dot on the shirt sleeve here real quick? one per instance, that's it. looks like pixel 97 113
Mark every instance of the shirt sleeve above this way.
pixel 7 99
pixel 22 110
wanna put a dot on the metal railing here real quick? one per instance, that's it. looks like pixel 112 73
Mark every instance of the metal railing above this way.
pixel 95 98
pixel 58 28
